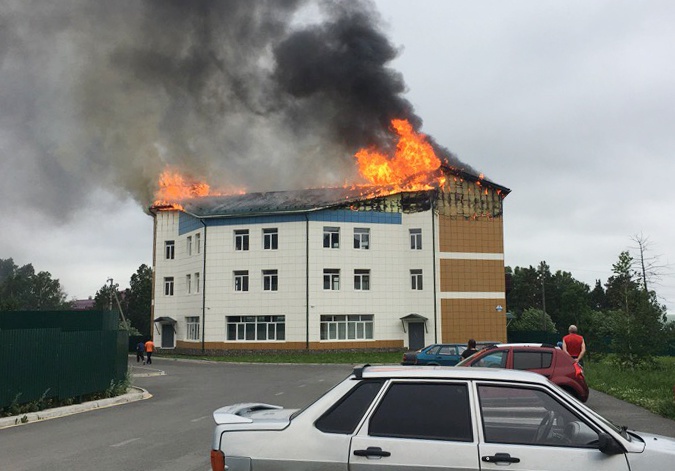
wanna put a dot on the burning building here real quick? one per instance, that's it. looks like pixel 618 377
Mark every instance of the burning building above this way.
pixel 335 268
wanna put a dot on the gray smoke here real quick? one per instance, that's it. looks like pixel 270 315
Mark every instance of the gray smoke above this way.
pixel 268 94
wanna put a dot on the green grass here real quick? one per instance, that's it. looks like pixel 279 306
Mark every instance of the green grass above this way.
pixel 651 388
pixel 352 358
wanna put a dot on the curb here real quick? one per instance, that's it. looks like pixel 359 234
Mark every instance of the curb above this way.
pixel 135 394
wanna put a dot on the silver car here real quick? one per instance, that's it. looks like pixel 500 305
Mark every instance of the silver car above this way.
pixel 441 418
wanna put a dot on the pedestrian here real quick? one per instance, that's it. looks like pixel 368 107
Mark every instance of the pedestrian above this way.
pixel 470 349
pixel 140 352
pixel 149 348
pixel 574 344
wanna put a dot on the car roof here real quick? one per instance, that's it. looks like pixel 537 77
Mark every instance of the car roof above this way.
pixel 526 345
pixel 446 372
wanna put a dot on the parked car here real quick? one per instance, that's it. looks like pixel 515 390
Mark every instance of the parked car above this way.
pixel 433 417
pixel 439 354
pixel 544 359
pixel 444 354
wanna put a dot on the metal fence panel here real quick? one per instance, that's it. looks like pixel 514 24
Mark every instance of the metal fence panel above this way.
pixel 40 358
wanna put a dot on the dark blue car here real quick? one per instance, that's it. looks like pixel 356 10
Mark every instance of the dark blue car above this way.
pixel 445 354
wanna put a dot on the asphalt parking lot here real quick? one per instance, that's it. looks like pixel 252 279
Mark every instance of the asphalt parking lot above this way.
pixel 170 427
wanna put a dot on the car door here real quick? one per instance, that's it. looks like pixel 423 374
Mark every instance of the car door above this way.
pixel 527 429
pixel 416 426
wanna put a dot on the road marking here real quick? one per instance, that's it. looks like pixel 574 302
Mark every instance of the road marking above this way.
pixel 279 394
pixel 126 442
pixel 200 418
pixel 302 385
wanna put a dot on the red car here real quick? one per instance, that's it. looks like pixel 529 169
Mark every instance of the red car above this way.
pixel 544 359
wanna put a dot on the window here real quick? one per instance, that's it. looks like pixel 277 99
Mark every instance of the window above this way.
pixel 256 327
pixel 270 239
pixel 416 279
pixel 270 280
pixel 331 279
pixel 196 282
pixel 530 417
pixel 492 360
pixel 188 283
pixel 361 238
pixel 347 327
pixel 532 360
pixel 198 242
pixel 169 249
pixel 361 280
pixel 192 328
pixel 168 286
pixel 241 280
pixel 346 414
pixel 416 239
pixel 331 237
pixel 188 248
pixel 241 239
pixel 443 413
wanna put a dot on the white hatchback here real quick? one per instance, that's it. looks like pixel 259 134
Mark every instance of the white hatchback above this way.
pixel 442 418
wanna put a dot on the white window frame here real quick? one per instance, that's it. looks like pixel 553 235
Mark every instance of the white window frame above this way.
pixel 241 240
pixel 331 237
pixel 192 330
pixel 256 328
pixel 361 280
pixel 241 280
pixel 188 247
pixel 347 328
pixel 270 238
pixel 169 249
pixel 331 279
pixel 188 283
pixel 270 280
pixel 416 239
pixel 198 242
pixel 417 280
pixel 168 285
pixel 197 282
pixel 361 238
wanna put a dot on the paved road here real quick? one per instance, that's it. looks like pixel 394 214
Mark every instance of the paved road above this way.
pixel 172 430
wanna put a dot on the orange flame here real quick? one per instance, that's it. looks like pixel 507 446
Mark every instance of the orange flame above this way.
pixel 409 168
pixel 175 187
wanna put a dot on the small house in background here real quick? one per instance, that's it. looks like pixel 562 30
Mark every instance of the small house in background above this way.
pixel 332 268
pixel 82 304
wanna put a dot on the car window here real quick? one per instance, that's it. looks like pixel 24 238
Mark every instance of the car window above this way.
pixel 530 417
pixel 432 350
pixel 432 411
pixel 492 360
pixel 346 414
pixel 448 350
pixel 531 360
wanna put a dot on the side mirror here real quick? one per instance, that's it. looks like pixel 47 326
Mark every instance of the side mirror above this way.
pixel 608 445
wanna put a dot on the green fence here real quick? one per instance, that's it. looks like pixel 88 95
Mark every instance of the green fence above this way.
pixel 60 354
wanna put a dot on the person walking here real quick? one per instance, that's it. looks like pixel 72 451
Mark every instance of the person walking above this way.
pixel 470 349
pixel 574 344
pixel 140 352
pixel 149 348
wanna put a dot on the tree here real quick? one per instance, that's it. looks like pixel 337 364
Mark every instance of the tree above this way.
pixel 638 318
pixel 139 299
pixel 533 320
pixel 21 289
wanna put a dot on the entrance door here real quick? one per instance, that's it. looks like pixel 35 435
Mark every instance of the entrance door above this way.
pixel 415 335
pixel 167 336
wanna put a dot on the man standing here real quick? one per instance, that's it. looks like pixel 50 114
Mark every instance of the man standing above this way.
pixel 470 349
pixel 140 352
pixel 149 348
pixel 574 344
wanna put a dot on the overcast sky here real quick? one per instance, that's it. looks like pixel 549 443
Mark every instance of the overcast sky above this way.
pixel 570 104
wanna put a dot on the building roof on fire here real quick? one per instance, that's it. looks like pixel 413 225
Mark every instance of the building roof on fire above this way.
pixel 300 201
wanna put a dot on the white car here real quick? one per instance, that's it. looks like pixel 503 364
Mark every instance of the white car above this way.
pixel 441 418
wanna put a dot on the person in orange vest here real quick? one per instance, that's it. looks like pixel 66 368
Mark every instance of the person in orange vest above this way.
pixel 574 344
pixel 149 348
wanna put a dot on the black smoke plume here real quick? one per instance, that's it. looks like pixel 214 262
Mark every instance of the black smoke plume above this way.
pixel 268 94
